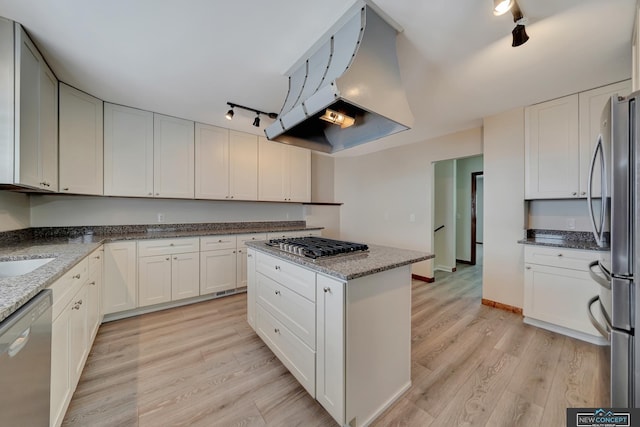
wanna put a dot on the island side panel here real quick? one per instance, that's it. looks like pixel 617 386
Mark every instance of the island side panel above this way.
pixel 378 342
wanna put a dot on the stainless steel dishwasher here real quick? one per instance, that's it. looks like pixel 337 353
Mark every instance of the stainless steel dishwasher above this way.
pixel 25 364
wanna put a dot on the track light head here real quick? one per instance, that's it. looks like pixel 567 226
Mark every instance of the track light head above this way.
pixel 229 114
pixel 256 121
pixel 520 36
pixel 500 7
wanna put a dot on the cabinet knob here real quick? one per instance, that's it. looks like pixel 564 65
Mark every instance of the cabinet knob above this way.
pixel 65 189
pixel 559 255
pixel 276 330
pixel 150 194
pixel 277 267
pixel 220 241
pixel 171 244
pixel 175 257
pixel 249 256
pixel 92 283
pixel 79 302
pixel 528 267
pixel 234 252
pixel 277 292
pixel 167 259
pixel 75 307
pixel 583 193
pixel 77 276
pixel 98 257
pixel 157 194
pixel 327 289
pixel 226 197
pixel 574 194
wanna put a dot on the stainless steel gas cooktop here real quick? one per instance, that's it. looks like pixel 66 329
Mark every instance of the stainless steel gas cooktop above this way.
pixel 316 247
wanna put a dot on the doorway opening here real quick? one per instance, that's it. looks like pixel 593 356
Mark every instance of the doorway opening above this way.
pixel 477 216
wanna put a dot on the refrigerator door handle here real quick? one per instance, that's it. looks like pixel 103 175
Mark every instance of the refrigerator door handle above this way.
pixel 602 281
pixel 597 232
pixel 605 330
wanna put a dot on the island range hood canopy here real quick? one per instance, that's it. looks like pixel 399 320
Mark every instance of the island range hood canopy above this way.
pixel 348 91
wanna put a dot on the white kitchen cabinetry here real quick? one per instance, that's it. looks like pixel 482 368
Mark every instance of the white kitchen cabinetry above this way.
pixel 242 255
pixel 81 142
pixel 288 234
pixel 173 157
pixel 128 151
pixel 218 269
pixel 557 288
pixel 36 117
pixel 592 103
pixel 251 287
pixel 559 139
pixel 284 172
pixel 120 288
pixel 324 330
pixel 168 270
pixel 635 51
pixel 94 293
pixel 226 164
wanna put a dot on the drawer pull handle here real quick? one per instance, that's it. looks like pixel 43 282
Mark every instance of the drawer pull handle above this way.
pixel 276 330
pixel 277 292
pixel 327 289
pixel 277 267
pixel 559 255
pixel 97 257
pixel 220 241
pixel 175 257
pixel 171 244
pixel 168 258
pixel 77 276
pixel 249 256
pixel 75 307
pixel 528 267
pixel 92 283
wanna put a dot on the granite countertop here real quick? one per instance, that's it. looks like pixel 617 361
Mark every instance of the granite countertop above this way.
pixel 561 239
pixel 16 291
pixel 352 266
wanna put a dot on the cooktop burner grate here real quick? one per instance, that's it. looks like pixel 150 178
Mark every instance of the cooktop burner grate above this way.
pixel 316 247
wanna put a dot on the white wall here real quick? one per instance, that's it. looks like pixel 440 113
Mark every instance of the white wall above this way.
pixel 464 168
pixel 503 271
pixel 444 213
pixel 381 191
pixel 50 211
pixel 559 215
pixel 322 177
pixel 14 211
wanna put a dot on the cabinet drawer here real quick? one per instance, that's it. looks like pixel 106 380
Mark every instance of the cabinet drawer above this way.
pixel 283 234
pixel 295 312
pixel 559 257
pixel 292 352
pixel 213 243
pixel 95 260
pixel 296 278
pixel 253 237
pixel 167 246
pixel 68 285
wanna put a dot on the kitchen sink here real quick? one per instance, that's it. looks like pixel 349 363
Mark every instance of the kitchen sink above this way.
pixel 20 267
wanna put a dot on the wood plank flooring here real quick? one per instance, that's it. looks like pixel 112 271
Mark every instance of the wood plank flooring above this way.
pixel 202 365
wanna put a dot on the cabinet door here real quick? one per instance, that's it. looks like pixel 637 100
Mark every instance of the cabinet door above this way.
pixel 154 280
pixel 78 335
pixel 212 162
pixel 173 159
pixel 241 268
pixel 128 151
pixel 60 373
pixel 592 103
pixel 299 174
pixel 81 137
pixel 217 271
pixel 330 362
pixel 49 127
pixel 185 276
pixel 552 149
pixel 28 156
pixel 251 287
pixel 94 304
pixel 559 296
pixel 243 166
pixel 120 288
pixel 271 170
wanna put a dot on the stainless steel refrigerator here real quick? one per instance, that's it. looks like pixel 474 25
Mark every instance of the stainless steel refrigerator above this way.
pixel 614 209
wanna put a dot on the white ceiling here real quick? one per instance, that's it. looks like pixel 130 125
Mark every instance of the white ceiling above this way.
pixel 188 58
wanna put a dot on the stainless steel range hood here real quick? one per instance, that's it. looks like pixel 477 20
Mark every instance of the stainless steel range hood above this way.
pixel 354 74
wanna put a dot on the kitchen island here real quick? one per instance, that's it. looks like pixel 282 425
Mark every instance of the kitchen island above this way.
pixel 341 324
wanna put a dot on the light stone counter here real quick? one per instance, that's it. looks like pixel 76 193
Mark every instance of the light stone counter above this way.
pixel 351 266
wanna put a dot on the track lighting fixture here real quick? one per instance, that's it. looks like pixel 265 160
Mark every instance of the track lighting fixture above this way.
pixel 256 121
pixel 500 7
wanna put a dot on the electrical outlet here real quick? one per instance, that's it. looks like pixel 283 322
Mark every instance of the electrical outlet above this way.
pixel 160 217
pixel 571 223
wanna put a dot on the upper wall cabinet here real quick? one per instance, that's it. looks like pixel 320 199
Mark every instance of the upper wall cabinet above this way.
pixel 635 52
pixel 29 113
pixel 81 137
pixel 128 151
pixel 226 164
pixel 284 172
pixel 173 157
pixel 559 139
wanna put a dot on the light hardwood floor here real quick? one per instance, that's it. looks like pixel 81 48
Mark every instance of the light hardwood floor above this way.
pixel 202 365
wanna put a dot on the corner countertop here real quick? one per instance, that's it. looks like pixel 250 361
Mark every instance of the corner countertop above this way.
pixel 561 239
pixel 351 266
pixel 16 291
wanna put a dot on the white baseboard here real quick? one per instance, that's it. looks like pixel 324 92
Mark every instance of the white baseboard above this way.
pixel 593 339
pixel 387 404
pixel 444 268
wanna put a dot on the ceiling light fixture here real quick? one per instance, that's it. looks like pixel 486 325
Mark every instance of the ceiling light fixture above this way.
pixel 520 36
pixel 256 121
pixel 337 118
pixel 500 7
